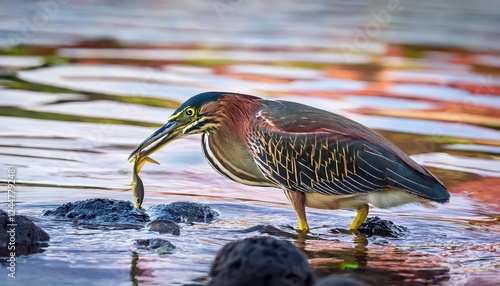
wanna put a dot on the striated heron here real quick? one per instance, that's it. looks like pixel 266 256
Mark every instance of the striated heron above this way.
pixel 318 158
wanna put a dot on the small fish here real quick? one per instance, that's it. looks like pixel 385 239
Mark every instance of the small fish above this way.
pixel 137 185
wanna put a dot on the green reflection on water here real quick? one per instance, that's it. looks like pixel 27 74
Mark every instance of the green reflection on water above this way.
pixel 17 112
pixel 13 82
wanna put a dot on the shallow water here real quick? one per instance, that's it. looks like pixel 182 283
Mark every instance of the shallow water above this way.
pixel 100 76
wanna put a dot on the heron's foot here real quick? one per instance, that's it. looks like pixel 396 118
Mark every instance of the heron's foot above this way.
pixel 362 213
pixel 303 226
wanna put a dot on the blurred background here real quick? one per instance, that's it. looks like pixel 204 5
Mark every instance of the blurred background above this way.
pixel 83 82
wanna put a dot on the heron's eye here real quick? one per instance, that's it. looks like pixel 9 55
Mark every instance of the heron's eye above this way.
pixel 190 111
pixel 138 200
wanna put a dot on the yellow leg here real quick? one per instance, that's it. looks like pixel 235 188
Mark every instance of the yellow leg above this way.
pixel 362 213
pixel 298 199
pixel 303 226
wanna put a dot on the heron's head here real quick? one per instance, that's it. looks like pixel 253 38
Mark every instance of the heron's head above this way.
pixel 199 114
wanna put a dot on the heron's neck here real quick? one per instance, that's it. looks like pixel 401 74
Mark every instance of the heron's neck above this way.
pixel 239 115
pixel 226 147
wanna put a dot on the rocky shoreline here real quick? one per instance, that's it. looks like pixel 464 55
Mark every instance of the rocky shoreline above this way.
pixel 259 260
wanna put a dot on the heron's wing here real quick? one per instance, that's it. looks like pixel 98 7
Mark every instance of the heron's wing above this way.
pixel 325 156
pixel 319 162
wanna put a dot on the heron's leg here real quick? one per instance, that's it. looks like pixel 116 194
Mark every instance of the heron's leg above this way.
pixel 298 201
pixel 362 213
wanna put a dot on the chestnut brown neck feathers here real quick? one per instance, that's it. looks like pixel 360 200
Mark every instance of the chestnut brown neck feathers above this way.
pixel 233 110
pixel 229 140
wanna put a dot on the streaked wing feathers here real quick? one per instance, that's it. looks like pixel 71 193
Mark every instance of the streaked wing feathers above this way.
pixel 320 162
pixel 324 156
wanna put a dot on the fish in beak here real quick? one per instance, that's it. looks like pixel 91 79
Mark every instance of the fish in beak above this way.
pixel 173 129
pixel 137 185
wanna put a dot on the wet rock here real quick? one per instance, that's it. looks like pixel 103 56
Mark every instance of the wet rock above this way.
pixel 381 227
pixel 260 261
pixel 336 280
pixel 157 245
pixel 183 212
pixel 164 226
pixel 28 236
pixel 340 231
pixel 271 230
pixel 101 211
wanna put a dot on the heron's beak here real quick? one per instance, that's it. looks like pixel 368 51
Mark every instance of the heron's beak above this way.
pixel 167 133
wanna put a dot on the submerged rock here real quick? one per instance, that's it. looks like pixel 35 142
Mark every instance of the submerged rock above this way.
pixel 271 230
pixel 28 236
pixel 381 227
pixel 99 211
pixel 260 261
pixel 336 280
pixel 157 245
pixel 183 212
pixel 164 226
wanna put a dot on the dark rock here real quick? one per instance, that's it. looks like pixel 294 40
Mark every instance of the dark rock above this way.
pixel 260 261
pixel 100 211
pixel 28 236
pixel 158 245
pixel 271 230
pixel 336 280
pixel 183 212
pixel 340 231
pixel 164 226
pixel 381 227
